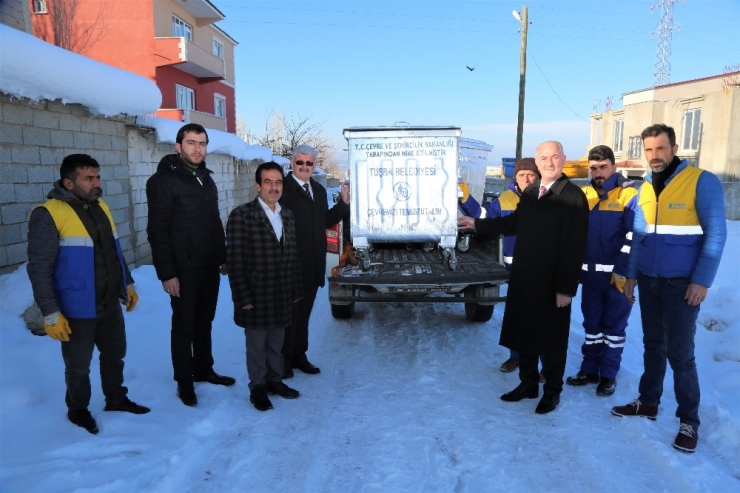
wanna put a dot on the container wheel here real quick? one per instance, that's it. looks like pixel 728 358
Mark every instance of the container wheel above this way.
pixel 343 312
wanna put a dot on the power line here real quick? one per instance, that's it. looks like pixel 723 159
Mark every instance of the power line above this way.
pixel 552 88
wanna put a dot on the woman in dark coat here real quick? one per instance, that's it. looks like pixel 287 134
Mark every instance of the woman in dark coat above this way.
pixel 551 243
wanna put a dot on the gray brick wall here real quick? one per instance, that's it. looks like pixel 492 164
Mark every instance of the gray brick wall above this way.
pixel 144 155
pixel 35 137
pixel 14 13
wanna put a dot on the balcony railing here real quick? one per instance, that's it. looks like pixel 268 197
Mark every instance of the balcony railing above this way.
pixel 187 56
pixel 191 116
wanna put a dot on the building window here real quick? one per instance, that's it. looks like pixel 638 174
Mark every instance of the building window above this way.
pixel 691 126
pixel 219 106
pixel 181 29
pixel 39 6
pixel 218 48
pixel 618 129
pixel 185 98
pixel 635 150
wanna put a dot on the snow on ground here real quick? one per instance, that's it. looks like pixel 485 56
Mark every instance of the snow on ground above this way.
pixel 408 400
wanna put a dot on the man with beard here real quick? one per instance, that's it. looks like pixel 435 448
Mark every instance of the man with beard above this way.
pixel 679 234
pixel 265 279
pixel 551 223
pixel 78 275
pixel 188 249
pixel 611 199
pixel 307 200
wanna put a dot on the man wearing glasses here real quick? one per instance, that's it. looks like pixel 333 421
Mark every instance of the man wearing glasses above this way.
pixel 308 201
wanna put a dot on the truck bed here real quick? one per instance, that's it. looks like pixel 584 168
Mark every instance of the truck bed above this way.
pixel 395 264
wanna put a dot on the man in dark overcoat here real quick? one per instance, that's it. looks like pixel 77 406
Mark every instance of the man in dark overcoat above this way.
pixel 262 256
pixel 307 200
pixel 551 224
pixel 186 235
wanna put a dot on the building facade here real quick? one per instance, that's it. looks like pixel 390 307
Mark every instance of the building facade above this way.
pixel 174 43
pixel 704 112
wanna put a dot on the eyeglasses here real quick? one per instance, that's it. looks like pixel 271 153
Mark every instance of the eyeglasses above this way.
pixel 307 163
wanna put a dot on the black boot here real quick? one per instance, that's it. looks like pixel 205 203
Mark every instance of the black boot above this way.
pixel 521 392
pixel 606 386
pixel 547 404
pixel 258 397
pixel 186 393
pixel 83 419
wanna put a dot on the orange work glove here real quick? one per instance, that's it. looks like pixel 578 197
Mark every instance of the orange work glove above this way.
pixel 133 298
pixel 618 281
pixel 463 185
pixel 57 327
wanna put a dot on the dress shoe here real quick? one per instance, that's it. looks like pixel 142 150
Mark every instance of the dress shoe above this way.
pixel 509 365
pixel 279 388
pixel 582 378
pixel 306 367
pixel 258 398
pixel 127 406
pixel 547 404
pixel 521 392
pixel 288 371
pixel 216 379
pixel 186 393
pixel 606 386
pixel 83 419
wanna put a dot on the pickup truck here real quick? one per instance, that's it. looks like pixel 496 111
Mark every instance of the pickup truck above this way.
pixel 403 224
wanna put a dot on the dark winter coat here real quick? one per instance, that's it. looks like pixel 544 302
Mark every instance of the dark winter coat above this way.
pixel 549 252
pixel 312 217
pixel 184 229
pixel 262 270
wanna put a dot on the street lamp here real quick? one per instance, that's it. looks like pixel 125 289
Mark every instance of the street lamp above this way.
pixel 523 19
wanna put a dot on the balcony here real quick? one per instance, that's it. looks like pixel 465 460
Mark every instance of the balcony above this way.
pixel 191 116
pixel 187 56
pixel 203 10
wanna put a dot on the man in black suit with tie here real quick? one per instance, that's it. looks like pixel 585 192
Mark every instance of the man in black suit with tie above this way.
pixel 308 201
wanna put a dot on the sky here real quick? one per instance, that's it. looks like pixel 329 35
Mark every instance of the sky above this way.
pixel 378 62
pixel 407 401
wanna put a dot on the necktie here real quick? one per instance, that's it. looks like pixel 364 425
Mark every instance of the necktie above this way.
pixel 305 187
pixel 543 191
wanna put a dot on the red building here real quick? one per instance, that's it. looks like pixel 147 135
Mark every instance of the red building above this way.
pixel 174 43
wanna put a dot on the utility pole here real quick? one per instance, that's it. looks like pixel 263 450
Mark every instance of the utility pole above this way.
pixel 522 78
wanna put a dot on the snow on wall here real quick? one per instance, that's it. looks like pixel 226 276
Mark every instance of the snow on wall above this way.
pixel 34 69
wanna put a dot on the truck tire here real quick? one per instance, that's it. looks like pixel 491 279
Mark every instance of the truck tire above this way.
pixel 478 313
pixel 343 312
pixel 475 311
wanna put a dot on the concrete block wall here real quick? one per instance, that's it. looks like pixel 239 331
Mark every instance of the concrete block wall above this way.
pixel 15 13
pixel 34 138
pixel 232 177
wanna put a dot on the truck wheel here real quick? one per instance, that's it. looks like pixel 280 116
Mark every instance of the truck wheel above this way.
pixel 343 312
pixel 478 313
pixel 475 311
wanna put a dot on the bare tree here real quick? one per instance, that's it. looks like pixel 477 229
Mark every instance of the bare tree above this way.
pixel 284 133
pixel 74 35
pixel 242 130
